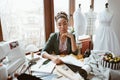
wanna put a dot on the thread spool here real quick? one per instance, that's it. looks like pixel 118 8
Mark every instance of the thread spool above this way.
pixel 32 55
pixel 87 68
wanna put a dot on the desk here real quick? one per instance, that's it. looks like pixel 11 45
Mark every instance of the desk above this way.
pixel 93 61
pixel 56 74
pixel 59 71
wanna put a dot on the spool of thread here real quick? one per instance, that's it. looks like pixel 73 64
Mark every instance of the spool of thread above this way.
pixel 87 68
pixel 3 72
pixel 32 55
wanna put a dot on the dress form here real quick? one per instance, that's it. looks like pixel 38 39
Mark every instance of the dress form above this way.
pixel 91 19
pixel 79 22
pixel 106 38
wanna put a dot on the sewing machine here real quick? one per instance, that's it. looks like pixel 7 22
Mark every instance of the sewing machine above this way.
pixel 11 56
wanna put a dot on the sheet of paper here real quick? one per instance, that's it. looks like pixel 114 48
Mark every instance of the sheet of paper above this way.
pixel 47 68
pixel 67 72
pixel 72 60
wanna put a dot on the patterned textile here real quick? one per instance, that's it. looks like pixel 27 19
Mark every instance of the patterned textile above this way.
pixel 90 18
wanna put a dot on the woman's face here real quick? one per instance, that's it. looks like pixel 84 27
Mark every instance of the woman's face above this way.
pixel 62 25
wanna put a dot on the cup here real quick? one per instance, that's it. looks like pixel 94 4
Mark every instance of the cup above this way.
pixel 79 55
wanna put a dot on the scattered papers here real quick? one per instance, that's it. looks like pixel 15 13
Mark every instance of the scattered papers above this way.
pixel 72 60
pixel 47 68
pixel 66 71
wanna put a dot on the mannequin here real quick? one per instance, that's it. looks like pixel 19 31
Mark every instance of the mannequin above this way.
pixel 106 38
pixel 79 22
pixel 91 20
pixel 106 12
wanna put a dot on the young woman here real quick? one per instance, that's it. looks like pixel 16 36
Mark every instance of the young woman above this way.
pixel 60 42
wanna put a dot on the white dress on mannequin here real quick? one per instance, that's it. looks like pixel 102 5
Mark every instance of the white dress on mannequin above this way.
pixel 79 23
pixel 106 38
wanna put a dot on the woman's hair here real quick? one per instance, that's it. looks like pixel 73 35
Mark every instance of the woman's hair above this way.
pixel 61 15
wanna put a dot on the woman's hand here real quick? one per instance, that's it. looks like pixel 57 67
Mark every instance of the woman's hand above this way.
pixel 53 58
pixel 73 43
pixel 0 64
pixel 67 35
pixel 57 61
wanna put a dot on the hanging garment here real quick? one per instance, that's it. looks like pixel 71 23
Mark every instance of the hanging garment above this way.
pixel 79 23
pixel 106 38
pixel 91 20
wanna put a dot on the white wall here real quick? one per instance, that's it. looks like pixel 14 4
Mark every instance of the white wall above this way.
pixel 114 6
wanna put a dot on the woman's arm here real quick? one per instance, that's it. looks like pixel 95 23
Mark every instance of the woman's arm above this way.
pixel 73 42
pixel 46 51
pixel 51 57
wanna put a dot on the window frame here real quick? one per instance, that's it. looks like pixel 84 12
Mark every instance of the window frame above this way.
pixel 49 17
pixel 1 36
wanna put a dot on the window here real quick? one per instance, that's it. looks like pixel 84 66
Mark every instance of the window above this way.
pixel 58 7
pixel 23 20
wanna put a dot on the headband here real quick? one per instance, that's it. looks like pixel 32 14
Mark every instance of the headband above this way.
pixel 61 15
